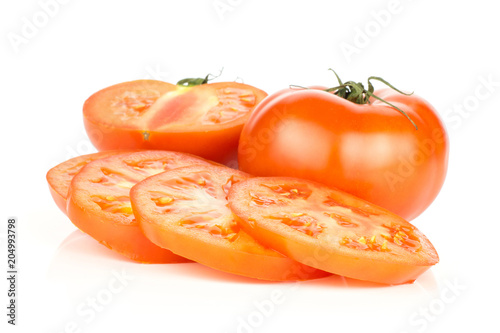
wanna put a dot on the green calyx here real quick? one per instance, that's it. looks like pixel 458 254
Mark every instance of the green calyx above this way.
pixel 355 92
pixel 191 82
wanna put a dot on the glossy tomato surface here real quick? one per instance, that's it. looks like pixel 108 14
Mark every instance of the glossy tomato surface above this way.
pixel 186 211
pixel 205 120
pixel 371 151
pixel 331 230
pixel 99 201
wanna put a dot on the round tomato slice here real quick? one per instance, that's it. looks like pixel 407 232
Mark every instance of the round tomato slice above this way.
pixel 205 120
pixel 331 230
pixel 185 211
pixel 60 176
pixel 99 201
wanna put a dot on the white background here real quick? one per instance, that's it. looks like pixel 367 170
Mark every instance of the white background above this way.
pixel 443 50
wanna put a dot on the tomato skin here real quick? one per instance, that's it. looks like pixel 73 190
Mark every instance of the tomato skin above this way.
pixel 328 217
pixel 59 199
pixel 128 240
pixel 221 146
pixel 371 151
pixel 167 103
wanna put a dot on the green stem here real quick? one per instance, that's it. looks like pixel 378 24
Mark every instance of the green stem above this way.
pixel 191 82
pixel 356 93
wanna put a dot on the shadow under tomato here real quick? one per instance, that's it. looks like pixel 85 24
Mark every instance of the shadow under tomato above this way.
pixel 79 253
pixel 79 250
pixel 426 281
pixel 81 245
pixel 201 272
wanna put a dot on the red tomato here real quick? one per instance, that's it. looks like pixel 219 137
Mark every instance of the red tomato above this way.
pixel 185 210
pixel 205 120
pixel 99 202
pixel 371 151
pixel 60 176
pixel 331 230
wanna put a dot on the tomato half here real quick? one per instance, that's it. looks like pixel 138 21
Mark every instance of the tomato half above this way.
pixel 185 211
pixel 331 230
pixel 205 120
pixel 99 201
pixel 371 151
pixel 60 176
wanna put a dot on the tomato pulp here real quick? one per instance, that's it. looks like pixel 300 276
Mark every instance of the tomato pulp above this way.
pixel 60 176
pixel 205 120
pixel 99 201
pixel 331 230
pixel 185 210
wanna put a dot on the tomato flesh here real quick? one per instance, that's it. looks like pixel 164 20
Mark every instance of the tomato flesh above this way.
pixel 99 201
pixel 186 211
pixel 148 114
pixel 60 176
pixel 331 230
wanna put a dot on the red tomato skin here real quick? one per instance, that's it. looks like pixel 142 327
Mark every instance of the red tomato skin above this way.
pixel 221 146
pixel 371 151
pixel 58 199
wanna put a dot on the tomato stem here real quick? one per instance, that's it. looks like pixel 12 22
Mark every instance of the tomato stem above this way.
pixel 191 82
pixel 356 93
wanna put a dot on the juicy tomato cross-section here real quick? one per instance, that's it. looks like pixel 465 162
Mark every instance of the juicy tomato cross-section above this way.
pixel 186 211
pixel 204 120
pixel 331 230
pixel 60 176
pixel 99 201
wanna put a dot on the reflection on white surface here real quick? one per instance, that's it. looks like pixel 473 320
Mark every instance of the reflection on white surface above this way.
pixel 103 289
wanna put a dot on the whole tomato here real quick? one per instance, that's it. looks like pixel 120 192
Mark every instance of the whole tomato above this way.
pixel 383 146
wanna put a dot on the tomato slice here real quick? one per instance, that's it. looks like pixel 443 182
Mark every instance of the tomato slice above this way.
pixel 204 120
pixel 99 201
pixel 60 176
pixel 186 211
pixel 331 230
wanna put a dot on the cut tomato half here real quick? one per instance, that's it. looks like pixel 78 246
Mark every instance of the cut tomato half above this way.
pixel 99 201
pixel 205 120
pixel 60 176
pixel 186 211
pixel 331 230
